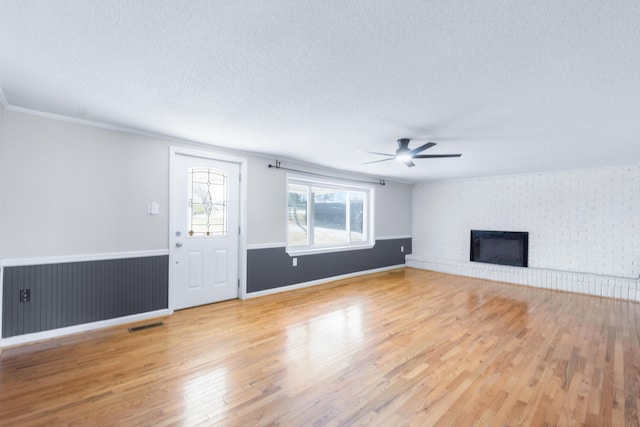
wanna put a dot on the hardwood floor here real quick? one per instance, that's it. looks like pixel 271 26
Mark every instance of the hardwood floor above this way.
pixel 406 347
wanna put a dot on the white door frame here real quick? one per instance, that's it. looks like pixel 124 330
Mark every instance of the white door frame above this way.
pixel 242 238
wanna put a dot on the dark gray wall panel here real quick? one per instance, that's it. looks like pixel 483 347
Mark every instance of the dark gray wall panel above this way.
pixel 272 267
pixel 68 294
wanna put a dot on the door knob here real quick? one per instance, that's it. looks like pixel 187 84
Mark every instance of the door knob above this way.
pixel 179 245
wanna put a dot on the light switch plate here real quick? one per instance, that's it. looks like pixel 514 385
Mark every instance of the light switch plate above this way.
pixel 153 208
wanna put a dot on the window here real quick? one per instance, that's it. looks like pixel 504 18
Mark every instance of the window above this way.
pixel 207 210
pixel 327 217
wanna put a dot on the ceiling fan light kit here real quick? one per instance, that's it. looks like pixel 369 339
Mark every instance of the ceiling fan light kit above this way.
pixel 406 155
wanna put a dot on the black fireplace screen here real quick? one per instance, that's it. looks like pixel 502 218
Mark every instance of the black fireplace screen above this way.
pixel 500 247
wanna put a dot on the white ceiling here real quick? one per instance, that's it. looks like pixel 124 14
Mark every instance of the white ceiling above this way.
pixel 514 86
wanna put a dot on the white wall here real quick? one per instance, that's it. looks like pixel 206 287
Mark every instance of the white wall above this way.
pixel 584 227
pixel 393 213
pixel 2 167
pixel 73 189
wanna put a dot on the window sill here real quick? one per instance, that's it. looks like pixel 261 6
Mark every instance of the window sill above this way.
pixel 313 251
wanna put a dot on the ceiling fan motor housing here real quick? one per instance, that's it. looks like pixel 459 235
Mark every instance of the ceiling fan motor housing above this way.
pixel 403 153
pixel 404 143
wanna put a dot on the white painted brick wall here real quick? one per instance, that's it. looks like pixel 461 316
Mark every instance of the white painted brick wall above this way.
pixel 584 227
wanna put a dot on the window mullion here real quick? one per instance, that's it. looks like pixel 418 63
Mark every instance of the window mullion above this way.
pixel 310 216
pixel 348 219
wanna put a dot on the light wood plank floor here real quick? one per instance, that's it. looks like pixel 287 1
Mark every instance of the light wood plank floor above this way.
pixel 406 347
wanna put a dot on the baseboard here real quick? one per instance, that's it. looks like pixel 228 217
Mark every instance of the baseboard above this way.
pixel 321 281
pixel 85 327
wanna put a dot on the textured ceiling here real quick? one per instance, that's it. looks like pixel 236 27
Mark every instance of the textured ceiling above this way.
pixel 513 86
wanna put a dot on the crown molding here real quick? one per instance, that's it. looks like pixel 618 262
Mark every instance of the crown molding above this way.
pixel 171 138
pixel 91 123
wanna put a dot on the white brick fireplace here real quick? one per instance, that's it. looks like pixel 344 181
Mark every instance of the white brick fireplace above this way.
pixel 584 228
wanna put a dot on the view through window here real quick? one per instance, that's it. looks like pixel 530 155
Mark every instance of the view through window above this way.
pixel 324 215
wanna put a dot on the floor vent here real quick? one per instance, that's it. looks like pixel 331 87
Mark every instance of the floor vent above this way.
pixel 143 327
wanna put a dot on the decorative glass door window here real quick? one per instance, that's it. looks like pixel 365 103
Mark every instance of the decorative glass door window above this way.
pixel 207 203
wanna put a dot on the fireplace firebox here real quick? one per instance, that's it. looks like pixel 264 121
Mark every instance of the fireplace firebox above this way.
pixel 500 247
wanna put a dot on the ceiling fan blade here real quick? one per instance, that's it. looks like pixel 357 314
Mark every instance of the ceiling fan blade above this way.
pixel 380 154
pixel 377 161
pixel 422 148
pixel 435 156
pixel 409 163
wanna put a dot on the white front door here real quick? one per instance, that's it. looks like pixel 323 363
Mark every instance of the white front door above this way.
pixel 205 211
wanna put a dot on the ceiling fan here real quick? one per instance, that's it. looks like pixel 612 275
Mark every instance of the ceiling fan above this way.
pixel 406 155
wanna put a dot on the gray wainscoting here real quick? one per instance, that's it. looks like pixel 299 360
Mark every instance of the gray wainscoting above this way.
pixel 68 294
pixel 271 268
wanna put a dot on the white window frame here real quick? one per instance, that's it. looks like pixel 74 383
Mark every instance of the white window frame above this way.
pixel 338 185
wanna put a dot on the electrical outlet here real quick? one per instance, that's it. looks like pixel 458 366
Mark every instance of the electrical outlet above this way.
pixel 295 262
pixel 402 249
pixel 25 295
